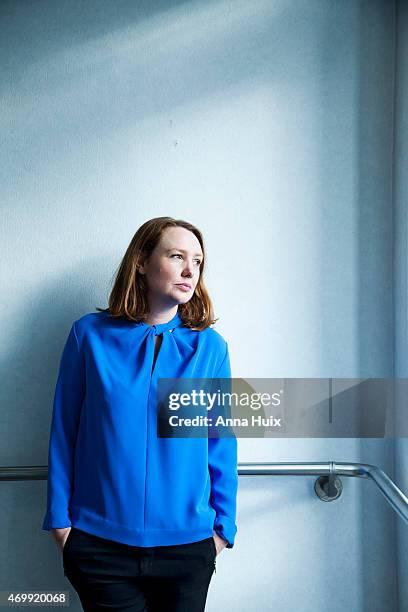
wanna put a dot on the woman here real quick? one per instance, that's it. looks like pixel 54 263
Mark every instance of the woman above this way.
pixel 141 518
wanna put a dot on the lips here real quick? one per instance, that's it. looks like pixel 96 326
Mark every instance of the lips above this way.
pixel 185 285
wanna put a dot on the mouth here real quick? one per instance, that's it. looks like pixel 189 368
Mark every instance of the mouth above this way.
pixel 184 286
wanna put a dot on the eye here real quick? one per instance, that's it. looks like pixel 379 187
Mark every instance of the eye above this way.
pixel 198 261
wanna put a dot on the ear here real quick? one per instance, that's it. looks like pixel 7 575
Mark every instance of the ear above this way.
pixel 140 267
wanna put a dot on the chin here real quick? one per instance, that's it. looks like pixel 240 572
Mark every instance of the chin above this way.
pixel 181 300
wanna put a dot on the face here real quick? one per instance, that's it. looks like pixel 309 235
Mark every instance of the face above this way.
pixel 175 260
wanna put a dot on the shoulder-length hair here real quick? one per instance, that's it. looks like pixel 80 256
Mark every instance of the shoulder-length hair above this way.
pixel 128 297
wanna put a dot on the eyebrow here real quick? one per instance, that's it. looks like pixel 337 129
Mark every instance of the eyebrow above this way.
pixel 183 251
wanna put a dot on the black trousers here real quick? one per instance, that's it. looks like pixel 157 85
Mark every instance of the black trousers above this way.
pixel 109 575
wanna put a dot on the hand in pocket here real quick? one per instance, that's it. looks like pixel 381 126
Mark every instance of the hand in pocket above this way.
pixel 61 536
pixel 220 543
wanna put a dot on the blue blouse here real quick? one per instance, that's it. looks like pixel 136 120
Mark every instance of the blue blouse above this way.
pixel 108 472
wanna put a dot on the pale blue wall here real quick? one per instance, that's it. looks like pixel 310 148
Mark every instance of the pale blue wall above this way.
pixel 401 285
pixel 269 124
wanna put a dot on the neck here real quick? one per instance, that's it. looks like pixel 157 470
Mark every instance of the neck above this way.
pixel 159 316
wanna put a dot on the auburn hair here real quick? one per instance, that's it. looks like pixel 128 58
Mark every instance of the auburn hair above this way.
pixel 128 297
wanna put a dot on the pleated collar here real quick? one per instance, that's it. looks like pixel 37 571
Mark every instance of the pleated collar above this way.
pixel 159 328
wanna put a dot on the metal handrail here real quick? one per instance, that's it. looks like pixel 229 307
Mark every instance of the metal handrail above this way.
pixel 330 469
pixel 388 488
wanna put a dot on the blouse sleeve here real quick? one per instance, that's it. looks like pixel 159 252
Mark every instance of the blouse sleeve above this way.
pixel 222 463
pixel 68 396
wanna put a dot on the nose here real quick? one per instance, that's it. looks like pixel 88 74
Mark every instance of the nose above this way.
pixel 188 270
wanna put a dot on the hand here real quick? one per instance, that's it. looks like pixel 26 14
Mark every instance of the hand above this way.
pixel 60 535
pixel 220 543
